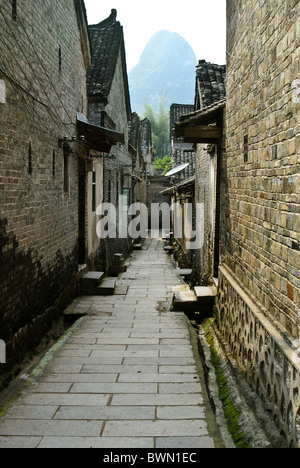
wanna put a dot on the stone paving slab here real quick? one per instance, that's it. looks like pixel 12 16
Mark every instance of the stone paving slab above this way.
pixel 124 376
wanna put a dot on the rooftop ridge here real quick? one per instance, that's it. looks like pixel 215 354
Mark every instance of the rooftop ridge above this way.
pixel 108 21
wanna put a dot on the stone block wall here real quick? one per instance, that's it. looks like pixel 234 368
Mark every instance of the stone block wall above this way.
pixel 261 207
pixel 44 72
pixel 260 197
pixel 271 366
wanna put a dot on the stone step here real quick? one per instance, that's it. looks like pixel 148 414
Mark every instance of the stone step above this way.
pixel 118 259
pixel 91 281
pixel 107 287
pixel 184 272
pixel 184 300
pixel 205 294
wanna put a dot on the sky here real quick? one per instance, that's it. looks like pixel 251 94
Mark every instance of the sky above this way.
pixel 202 23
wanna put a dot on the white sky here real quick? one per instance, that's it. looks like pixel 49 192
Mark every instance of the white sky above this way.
pixel 202 23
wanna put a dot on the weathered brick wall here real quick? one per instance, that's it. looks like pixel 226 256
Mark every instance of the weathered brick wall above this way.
pixel 262 212
pixel 260 203
pixel 44 73
pixel 118 163
pixel 203 270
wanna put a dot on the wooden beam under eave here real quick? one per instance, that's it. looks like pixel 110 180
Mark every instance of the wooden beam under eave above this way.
pixel 202 134
pixel 205 141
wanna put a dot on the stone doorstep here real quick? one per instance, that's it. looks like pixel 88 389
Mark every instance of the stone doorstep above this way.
pixel 118 259
pixel 184 296
pixel 90 281
pixel 107 287
pixel 183 300
pixel 93 276
pixel 94 283
pixel 184 272
pixel 205 292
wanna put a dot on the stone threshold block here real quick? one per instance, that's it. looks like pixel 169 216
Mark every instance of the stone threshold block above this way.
pixel 205 295
pixel 184 300
pixel 94 283
pixel 184 273
pixel 91 281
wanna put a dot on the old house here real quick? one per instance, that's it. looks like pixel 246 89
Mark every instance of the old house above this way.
pixel 43 89
pixel 109 106
pixel 202 129
pixel 181 152
pixel 140 139
pixel 257 175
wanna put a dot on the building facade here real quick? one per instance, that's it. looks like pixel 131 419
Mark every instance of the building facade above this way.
pixel 43 88
pixel 109 106
pixel 247 177
pixel 203 128
pixel 140 139
pixel 259 288
pixel 181 152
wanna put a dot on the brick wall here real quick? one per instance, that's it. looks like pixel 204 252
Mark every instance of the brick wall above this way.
pixel 260 203
pixel 205 188
pixel 44 72
pixel 262 211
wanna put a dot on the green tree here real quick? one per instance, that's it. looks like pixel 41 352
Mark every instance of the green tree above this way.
pixel 164 164
pixel 160 124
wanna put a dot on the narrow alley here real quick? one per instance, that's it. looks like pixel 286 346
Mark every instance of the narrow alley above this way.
pixel 123 376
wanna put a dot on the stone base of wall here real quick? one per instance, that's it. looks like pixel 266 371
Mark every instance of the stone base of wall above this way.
pixel 270 364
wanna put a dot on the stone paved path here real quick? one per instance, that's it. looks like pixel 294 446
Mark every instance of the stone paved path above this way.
pixel 124 376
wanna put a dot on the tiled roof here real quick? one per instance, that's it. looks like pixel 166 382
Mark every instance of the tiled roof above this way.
pixel 106 41
pixel 140 132
pixel 210 84
pixel 176 110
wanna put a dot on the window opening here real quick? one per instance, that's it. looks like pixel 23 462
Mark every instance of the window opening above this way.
pixel 53 164
pixel 94 192
pixel 67 173
pixel 246 148
pixel 59 59
pixel 14 10
pixel 29 159
pixel 109 191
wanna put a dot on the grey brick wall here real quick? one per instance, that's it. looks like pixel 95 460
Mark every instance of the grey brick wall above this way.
pixel 261 210
pixel 259 287
pixel 43 69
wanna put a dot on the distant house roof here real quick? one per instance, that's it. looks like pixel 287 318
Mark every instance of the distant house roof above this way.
pixel 200 117
pixel 107 39
pixel 176 110
pixel 210 101
pixel 210 84
pixel 181 186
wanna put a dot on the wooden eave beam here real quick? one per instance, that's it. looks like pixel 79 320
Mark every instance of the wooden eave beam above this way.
pixel 201 133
